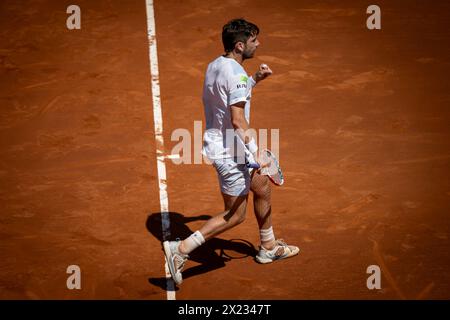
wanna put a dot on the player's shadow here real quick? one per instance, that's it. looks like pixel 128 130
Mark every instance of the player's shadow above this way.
pixel 211 255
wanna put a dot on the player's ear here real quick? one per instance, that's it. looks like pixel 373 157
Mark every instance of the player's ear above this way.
pixel 239 46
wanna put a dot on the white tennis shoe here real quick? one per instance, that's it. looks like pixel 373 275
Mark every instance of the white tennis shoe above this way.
pixel 175 260
pixel 281 251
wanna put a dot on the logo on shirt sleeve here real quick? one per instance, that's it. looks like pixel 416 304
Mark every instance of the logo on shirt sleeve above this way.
pixel 242 82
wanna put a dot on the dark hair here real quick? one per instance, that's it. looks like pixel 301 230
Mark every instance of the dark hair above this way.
pixel 237 30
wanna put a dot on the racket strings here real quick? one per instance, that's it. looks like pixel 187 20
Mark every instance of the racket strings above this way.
pixel 273 170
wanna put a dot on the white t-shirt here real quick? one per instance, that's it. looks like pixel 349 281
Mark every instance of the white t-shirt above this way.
pixel 226 83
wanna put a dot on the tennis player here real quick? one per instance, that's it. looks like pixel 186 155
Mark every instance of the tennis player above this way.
pixel 226 99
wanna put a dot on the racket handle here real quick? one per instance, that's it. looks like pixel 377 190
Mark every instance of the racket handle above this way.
pixel 253 165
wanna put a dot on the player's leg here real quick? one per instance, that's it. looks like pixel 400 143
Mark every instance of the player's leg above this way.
pixel 177 251
pixel 234 180
pixel 235 209
pixel 271 249
pixel 261 188
pixel 234 214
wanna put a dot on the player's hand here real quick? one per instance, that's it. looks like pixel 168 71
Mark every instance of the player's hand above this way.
pixel 263 72
pixel 262 161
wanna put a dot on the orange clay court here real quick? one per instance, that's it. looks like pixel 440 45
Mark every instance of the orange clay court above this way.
pixel 364 144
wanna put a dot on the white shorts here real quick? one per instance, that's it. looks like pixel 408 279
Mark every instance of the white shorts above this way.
pixel 234 178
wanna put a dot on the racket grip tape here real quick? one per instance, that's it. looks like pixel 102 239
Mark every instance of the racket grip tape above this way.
pixel 253 165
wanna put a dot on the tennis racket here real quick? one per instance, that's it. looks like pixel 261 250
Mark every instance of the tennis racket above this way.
pixel 272 170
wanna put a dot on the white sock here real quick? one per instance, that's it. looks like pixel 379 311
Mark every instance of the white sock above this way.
pixel 266 235
pixel 194 241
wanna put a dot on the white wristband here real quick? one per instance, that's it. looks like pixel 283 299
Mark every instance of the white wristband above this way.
pixel 251 146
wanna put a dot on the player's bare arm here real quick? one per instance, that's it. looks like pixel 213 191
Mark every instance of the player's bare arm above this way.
pixel 241 126
pixel 238 120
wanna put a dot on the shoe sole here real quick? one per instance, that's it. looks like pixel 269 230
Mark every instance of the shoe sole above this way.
pixel 168 254
pixel 267 260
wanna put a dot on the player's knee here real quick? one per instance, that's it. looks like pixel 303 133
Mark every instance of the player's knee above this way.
pixel 234 218
pixel 240 218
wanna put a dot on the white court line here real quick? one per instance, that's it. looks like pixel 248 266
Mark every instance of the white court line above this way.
pixel 157 116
